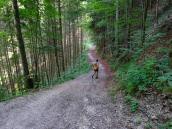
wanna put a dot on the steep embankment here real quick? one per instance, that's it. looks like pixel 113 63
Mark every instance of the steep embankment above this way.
pixel 147 78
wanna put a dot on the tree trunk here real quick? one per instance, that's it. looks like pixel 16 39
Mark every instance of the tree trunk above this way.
pixel 61 34
pixel 156 12
pixel 116 26
pixel 144 18
pixel 28 80
pixel 128 24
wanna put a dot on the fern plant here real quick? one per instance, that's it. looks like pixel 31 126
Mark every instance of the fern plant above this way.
pixel 164 81
pixel 132 102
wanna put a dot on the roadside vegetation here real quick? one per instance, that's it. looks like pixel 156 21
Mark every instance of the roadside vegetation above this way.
pixel 45 42
pixel 136 38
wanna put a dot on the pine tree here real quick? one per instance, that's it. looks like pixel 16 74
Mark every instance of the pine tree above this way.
pixel 28 80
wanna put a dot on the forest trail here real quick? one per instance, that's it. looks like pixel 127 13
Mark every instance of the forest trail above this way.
pixel 76 104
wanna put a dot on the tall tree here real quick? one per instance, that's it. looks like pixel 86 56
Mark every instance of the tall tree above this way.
pixel 116 26
pixel 28 80
pixel 61 34
pixel 144 18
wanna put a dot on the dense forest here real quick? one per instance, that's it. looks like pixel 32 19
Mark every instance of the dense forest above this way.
pixel 135 36
pixel 40 40
pixel 43 43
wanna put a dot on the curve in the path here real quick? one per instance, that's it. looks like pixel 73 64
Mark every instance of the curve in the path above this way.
pixel 92 56
pixel 77 104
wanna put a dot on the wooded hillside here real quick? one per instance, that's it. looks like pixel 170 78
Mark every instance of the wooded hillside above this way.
pixel 136 37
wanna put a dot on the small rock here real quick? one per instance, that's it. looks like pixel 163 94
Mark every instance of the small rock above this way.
pixel 140 127
pixel 154 117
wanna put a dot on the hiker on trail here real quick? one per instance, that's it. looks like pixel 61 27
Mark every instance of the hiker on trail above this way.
pixel 95 69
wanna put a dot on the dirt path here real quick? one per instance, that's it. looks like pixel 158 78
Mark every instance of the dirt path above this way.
pixel 77 104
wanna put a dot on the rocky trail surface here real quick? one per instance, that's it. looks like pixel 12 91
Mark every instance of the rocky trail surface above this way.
pixel 81 103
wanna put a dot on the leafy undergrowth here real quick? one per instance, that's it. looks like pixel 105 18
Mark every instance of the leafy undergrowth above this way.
pixel 150 79
pixel 132 102
pixel 146 80
pixel 82 66
pixel 137 79
pixel 147 89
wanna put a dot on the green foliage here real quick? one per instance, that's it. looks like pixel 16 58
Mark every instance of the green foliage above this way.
pixel 110 31
pixel 149 125
pixel 50 10
pixel 88 44
pixel 3 93
pixel 153 38
pixel 167 90
pixel 132 102
pixel 138 78
pixel 163 51
pixel 131 79
pixel 3 3
pixel 82 66
pixel 167 125
pixel 46 46
pixel 164 81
